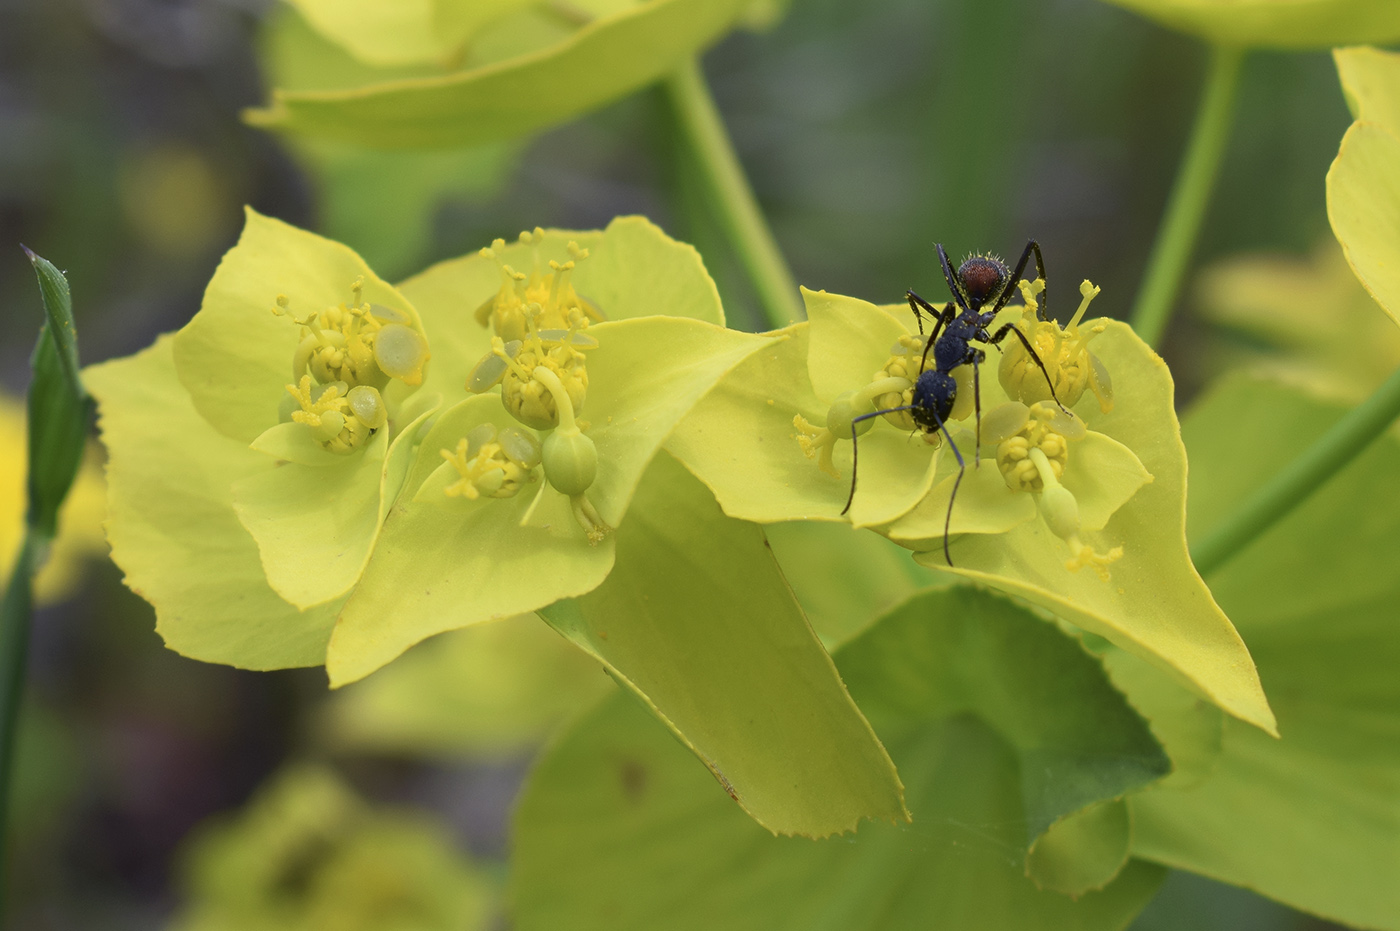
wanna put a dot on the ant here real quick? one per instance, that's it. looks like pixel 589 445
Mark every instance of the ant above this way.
pixel 977 281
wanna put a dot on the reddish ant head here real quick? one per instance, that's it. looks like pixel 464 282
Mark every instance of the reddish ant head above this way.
pixel 982 278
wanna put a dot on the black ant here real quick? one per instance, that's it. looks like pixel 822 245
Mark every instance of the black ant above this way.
pixel 977 281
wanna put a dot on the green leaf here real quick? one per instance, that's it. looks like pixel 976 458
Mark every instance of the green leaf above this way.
pixel 235 356
pixel 172 526
pixel 1155 605
pixel 59 407
pixel 1363 203
pixel 603 60
pixel 967 651
pixel 493 691
pixel 1294 24
pixel 845 580
pixel 698 622
pixel 618 829
pixel 1313 819
pixel 1083 851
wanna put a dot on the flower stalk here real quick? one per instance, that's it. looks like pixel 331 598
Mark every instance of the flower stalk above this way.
pixel 1190 196
pixel 732 197
pixel 1336 448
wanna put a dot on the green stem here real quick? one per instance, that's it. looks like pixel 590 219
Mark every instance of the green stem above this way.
pixel 15 611
pixel 733 199
pixel 1300 478
pixel 1186 209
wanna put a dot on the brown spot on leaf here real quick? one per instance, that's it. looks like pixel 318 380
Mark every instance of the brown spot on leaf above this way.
pixel 632 776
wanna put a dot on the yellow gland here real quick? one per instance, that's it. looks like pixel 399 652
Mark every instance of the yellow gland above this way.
pixel 357 343
pixel 509 312
pixel 492 463
pixel 1064 352
pixel 1045 428
pixel 341 418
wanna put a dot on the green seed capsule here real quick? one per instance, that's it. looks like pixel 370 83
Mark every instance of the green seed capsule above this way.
pixel 570 461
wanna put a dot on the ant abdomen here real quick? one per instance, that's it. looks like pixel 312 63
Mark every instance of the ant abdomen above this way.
pixel 934 395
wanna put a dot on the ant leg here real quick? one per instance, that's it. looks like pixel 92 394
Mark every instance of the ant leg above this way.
pixel 1013 328
pixel 952 279
pixel 1042 299
pixel 915 302
pixel 962 470
pixel 977 408
pixel 855 450
pixel 943 320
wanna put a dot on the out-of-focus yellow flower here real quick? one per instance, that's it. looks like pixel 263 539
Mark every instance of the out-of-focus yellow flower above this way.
pixel 80 521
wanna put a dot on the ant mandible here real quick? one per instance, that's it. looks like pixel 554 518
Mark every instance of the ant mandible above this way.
pixel 977 281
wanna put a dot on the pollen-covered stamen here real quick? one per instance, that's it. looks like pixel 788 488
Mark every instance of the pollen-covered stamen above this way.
pixel 356 343
pixel 492 463
pixel 508 313
pixel 1064 351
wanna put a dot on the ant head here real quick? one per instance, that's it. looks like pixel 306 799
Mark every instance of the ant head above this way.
pixel 982 278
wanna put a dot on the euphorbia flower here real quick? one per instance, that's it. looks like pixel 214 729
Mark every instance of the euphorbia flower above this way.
pixel 254 532
pixel 1123 484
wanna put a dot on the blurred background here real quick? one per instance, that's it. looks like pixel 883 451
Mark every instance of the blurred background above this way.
pixel 870 131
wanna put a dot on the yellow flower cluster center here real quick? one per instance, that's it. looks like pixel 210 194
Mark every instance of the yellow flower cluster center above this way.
pixel 1064 352
pixel 1040 432
pixel 346 357
pixel 493 463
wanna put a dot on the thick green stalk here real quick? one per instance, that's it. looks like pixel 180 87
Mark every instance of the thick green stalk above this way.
pixel 15 609
pixel 732 198
pixel 1190 196
pixel 1300 478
